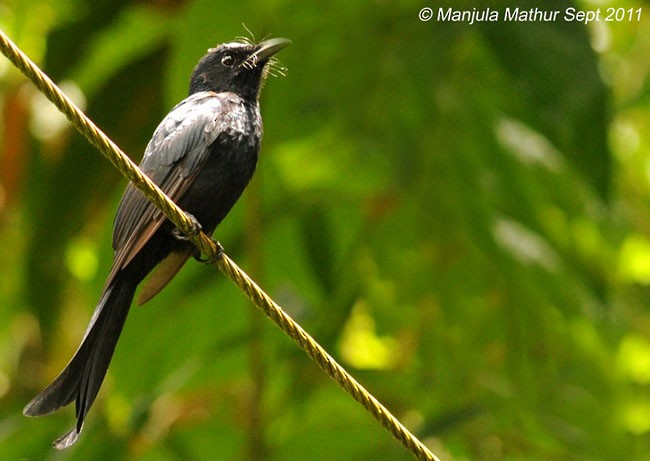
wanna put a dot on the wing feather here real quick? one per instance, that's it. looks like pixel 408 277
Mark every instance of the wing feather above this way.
pixel 172 159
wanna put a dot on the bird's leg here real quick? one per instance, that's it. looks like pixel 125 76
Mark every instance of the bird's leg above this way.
pixel 195 230
pixel 217 256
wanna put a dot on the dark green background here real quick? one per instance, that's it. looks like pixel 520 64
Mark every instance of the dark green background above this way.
pixel 458 213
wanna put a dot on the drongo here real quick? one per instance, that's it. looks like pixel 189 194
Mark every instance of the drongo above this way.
pixel 202 155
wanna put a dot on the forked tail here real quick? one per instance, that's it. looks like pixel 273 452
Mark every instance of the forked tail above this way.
pixel 83 376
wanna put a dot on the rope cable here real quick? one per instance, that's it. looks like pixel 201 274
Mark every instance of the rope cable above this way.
pixel 213 252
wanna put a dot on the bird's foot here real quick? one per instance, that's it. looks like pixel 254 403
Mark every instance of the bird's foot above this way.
pixel 217 256
pixel 194 231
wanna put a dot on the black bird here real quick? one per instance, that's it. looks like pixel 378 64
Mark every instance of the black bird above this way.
pixel 202 155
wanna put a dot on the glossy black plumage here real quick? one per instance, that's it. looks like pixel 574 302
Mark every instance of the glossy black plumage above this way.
pixel 202 155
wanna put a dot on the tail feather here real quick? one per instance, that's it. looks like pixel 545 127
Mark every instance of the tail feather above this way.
pixel 83 376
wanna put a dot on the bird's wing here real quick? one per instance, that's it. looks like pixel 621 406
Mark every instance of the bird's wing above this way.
pixel 163 274
pixel 172 159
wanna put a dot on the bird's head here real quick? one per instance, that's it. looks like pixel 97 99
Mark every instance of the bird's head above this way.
pixel 238 67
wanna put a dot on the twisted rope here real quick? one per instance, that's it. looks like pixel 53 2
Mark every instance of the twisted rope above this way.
pixel 207 246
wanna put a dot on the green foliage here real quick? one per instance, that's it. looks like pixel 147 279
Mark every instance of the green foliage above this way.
pixel 458 213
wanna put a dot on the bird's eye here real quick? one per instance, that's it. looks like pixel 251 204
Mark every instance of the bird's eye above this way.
pixel 228 61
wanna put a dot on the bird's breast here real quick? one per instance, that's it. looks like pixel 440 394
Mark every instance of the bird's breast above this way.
pixel 241 122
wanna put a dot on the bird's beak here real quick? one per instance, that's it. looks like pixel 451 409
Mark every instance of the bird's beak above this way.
pixel 268 48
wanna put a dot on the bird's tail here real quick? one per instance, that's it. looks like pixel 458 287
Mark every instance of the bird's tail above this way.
pixel 82 377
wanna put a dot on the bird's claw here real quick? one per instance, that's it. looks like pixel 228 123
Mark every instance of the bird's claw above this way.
pixel 217 256
pixel 194 231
